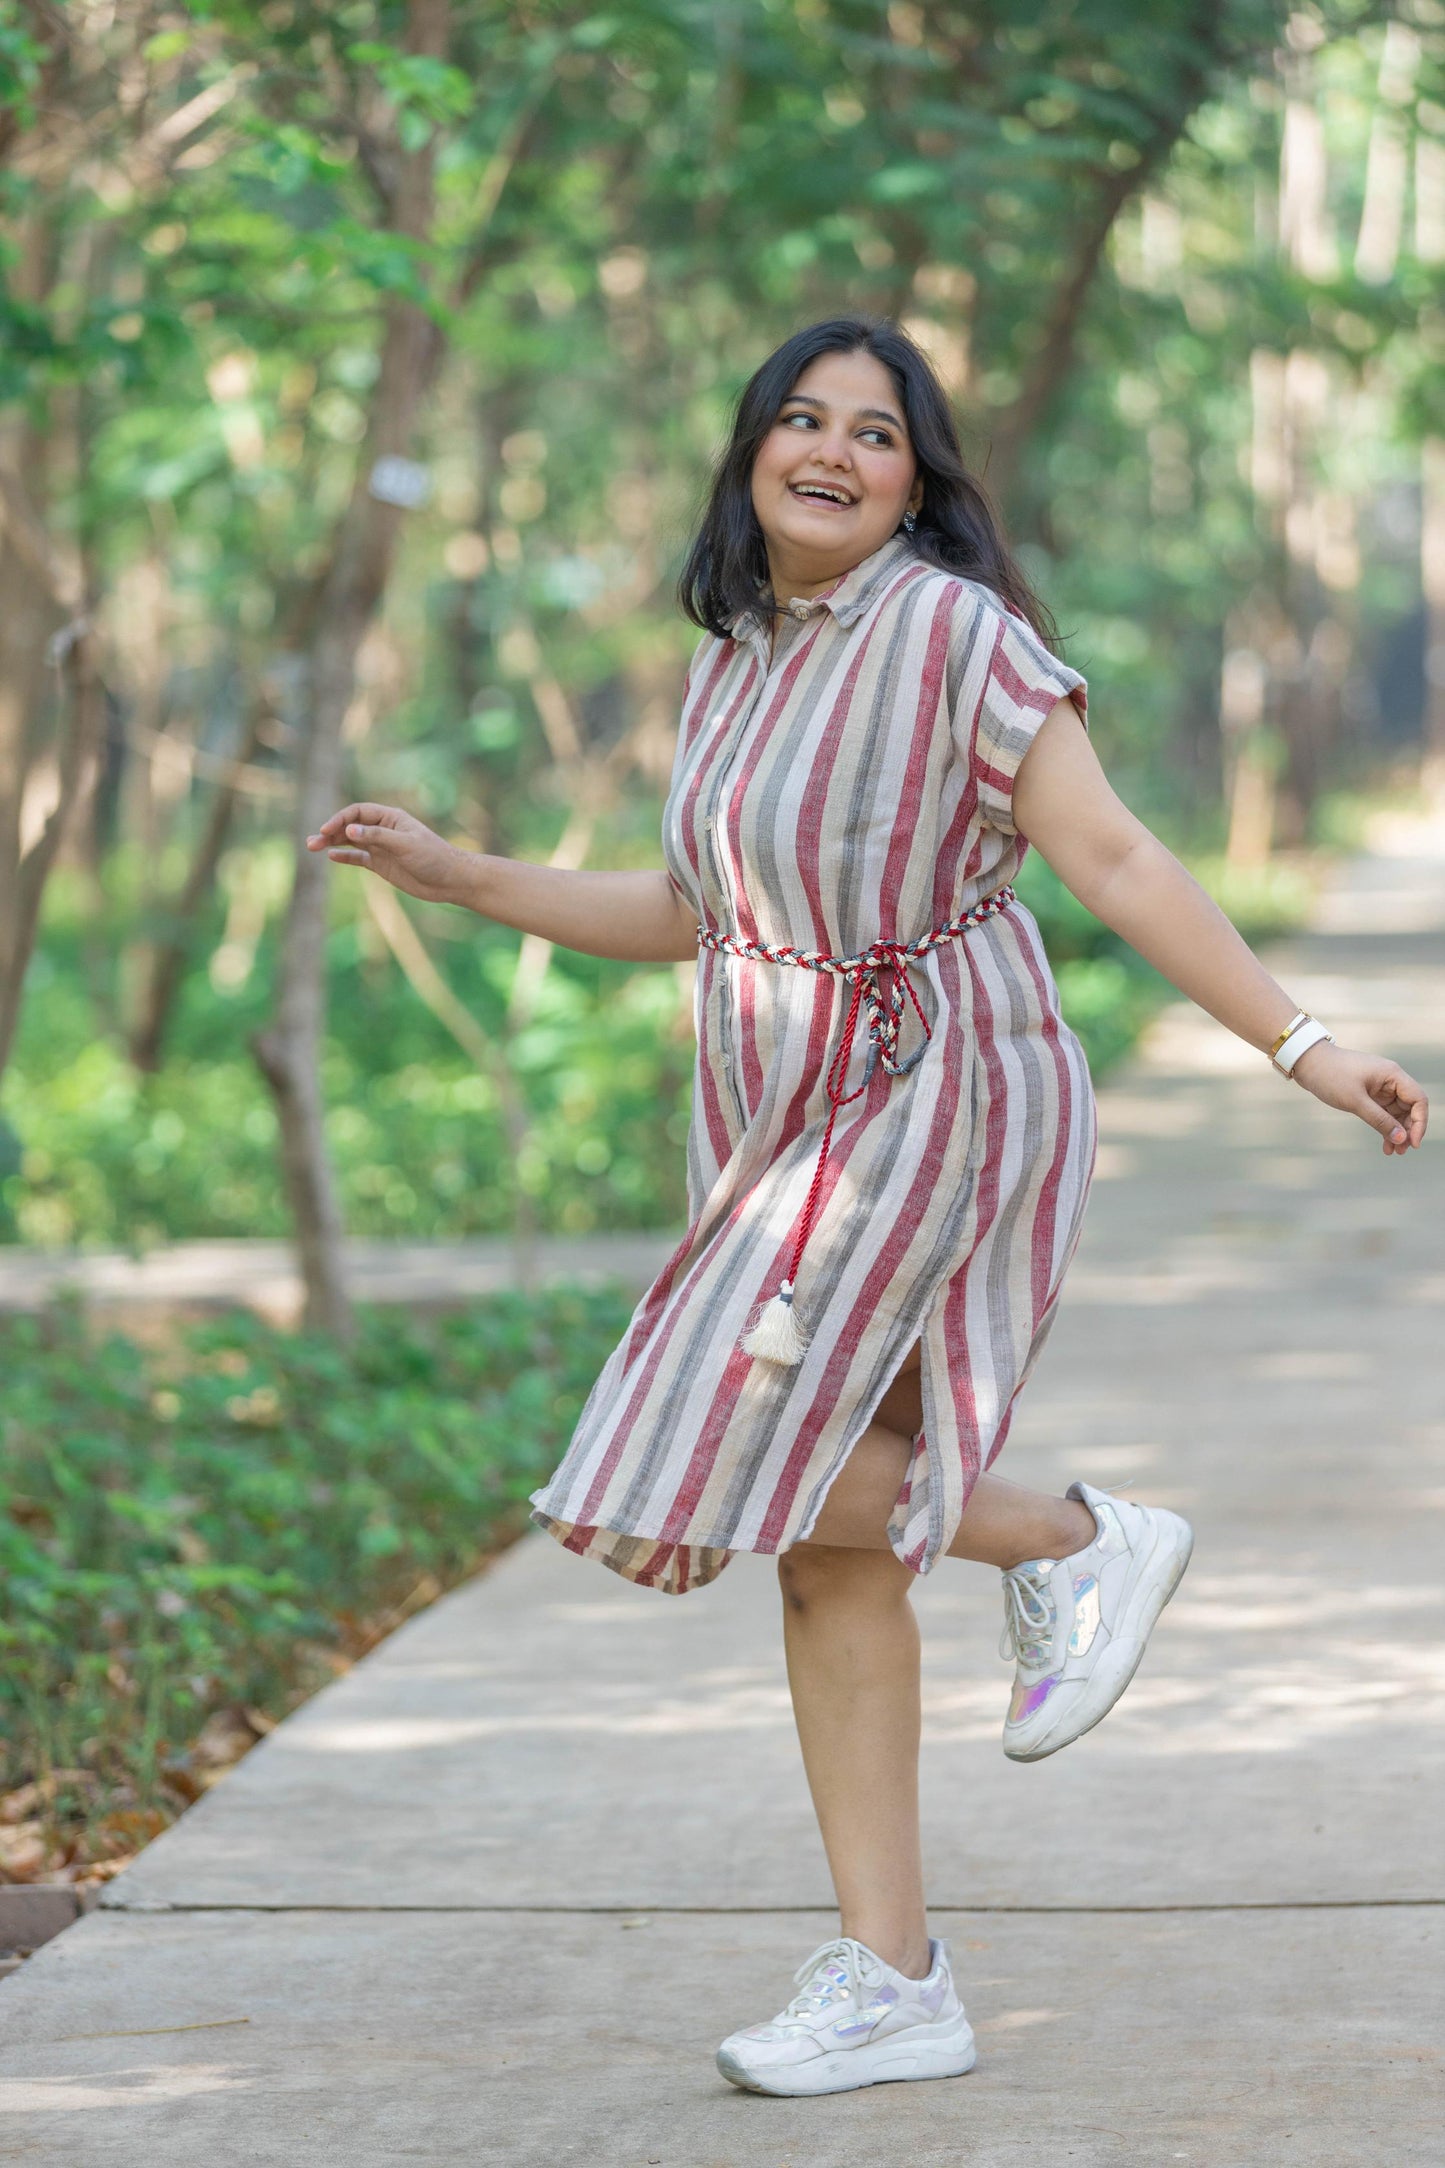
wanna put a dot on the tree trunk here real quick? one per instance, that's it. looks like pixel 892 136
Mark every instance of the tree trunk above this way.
pixel 81 728
pixel 352 588
pixel 1056 348
pixel 46 623
pixel 170 955
pixel 25 626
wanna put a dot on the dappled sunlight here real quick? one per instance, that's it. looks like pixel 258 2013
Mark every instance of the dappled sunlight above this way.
pixel 145 2085
pixel 1018 2020
pixel 1150 1115
pixel 1254 1663
pixel 1114 1162
pixel 1244 1663
pixel 1252 1603
pixel 1184 1042
pixel 1311 1362
pixel 1170 1285
pixel 1339 1688
pixel 699 1705
pixel 1111 1465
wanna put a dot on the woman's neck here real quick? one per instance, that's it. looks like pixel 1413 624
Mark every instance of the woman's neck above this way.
pixel 799 579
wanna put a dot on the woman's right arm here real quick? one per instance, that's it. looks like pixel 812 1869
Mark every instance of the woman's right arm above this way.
pixel 637 917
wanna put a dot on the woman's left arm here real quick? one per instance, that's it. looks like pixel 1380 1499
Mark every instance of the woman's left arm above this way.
pixel 1063 803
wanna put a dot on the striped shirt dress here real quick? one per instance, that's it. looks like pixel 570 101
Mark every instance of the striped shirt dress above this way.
pixel 851 787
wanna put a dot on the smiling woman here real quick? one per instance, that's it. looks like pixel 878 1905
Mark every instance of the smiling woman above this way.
pixel 842 438
pixel 835 475
pixel 875 729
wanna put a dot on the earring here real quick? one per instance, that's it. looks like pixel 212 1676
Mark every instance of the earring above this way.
pixel 910 521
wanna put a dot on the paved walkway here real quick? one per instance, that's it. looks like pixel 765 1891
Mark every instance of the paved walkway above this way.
pixel 261 1276
pixel 494 1896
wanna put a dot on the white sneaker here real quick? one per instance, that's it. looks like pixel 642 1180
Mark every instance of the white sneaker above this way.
pixel 854 2022
pixel 1079 1625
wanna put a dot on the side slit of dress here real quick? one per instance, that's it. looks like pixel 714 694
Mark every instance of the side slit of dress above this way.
pixel 916 1440
pixel 910 1366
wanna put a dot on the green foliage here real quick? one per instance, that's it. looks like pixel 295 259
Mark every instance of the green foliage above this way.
pixel 101 1155
pixel 420 1139
pixel 217 1524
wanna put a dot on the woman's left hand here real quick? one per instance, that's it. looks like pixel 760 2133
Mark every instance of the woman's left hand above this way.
pixel 1379 1091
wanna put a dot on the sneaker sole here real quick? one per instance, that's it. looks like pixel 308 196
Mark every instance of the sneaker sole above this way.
pixel 847 2070
pixel 1119 1662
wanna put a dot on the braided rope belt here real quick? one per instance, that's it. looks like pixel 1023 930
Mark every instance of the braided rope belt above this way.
pixel 776 1337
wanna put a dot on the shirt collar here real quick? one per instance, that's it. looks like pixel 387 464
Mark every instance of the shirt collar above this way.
pixel 852 594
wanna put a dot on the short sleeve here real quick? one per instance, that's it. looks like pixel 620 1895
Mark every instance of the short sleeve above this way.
pixel 1009 682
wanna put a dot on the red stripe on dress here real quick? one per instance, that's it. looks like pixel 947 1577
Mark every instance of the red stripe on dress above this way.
pixel 997 779
pixel 722 662
pixel 687 812
pixel 827 1008
pixel 728 835
pixel 714 1113
pixel 1022 694
pixel 909 818
pixel 814 792
pixel 730 824
pixel 1000 1437
pixel 949 882
pixel 658 1560
pixel 641 1385
pixel 986 1201
pixel 1046 1209
pixel 703 1457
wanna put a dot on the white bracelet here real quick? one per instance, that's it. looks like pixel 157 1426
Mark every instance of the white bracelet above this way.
pixel 1309 1034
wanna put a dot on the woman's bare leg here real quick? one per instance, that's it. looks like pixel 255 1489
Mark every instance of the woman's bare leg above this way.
pixel 852 1649
pixel 1002 1524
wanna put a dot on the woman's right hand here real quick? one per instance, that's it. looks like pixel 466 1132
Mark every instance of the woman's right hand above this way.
pixel 397 846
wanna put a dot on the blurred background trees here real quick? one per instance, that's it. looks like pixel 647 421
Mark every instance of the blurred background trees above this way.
pixel 360 373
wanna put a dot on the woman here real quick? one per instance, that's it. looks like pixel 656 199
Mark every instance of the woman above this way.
pixel 892 1132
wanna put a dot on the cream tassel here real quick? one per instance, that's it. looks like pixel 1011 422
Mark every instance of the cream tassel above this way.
pixel 775 1338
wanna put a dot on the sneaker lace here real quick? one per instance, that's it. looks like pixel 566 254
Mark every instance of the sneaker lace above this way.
pixel 1029 1616
pixel 828 1976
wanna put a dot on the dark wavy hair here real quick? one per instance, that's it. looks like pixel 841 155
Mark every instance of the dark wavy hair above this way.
pixel 726 574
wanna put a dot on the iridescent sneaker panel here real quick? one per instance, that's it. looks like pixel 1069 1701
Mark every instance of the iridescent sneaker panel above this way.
pixel 1078 1626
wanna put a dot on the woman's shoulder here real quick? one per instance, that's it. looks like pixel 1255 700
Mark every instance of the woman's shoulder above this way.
pixel 974 609
pixel 979 621
pixel 990 642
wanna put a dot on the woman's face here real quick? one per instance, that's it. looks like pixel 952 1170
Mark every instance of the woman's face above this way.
pixel 835 473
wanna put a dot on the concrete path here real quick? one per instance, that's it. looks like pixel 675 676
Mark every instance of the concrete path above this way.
pixel 262 1276
pixel 495 1895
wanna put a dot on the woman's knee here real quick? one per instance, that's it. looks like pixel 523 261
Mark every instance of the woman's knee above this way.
pixel 816 1576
